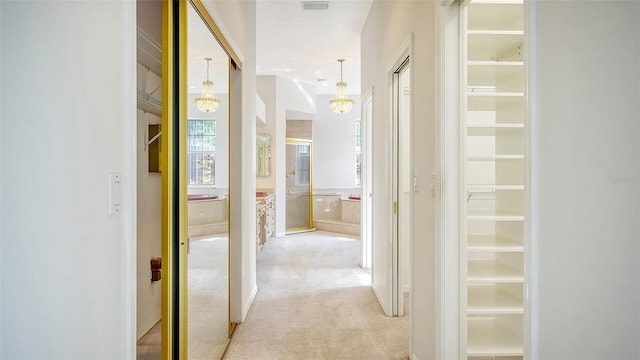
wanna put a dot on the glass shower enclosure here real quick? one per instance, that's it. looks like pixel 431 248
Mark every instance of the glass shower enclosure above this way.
pixel 299 185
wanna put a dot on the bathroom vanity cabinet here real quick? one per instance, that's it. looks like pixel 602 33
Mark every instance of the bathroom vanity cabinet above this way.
pixel 265 219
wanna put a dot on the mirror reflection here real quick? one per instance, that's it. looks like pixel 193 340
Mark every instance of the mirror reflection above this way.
pixel 207 179
pixel 263 155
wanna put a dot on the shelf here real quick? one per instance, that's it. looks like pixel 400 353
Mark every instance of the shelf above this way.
pixel 495 66
pixel 500 76
pixel 490 300
pixel 503 129
pixel 496 32
pixel 493 214
pixel 494 252
pixel 493 187
pixel 496 14
pixel 149 52
pixel 498 2
pixel 494 94
pixel 492 243
pixel 490 101
pixel 495 45
pixel 149 103
pixel 489 157
pixel 489 336
pixel 492 272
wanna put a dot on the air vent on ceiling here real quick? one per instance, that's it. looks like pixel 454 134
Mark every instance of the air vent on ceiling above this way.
pixel 315 5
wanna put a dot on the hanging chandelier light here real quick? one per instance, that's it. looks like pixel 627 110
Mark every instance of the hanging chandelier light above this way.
pixel 207 102
pixel 341 103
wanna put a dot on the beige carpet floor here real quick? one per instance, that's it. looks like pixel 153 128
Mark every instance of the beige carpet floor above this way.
pixel 315 302
pixel 208 303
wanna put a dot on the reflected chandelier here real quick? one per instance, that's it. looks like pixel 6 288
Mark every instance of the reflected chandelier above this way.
pixel 207 102
pixel 341 103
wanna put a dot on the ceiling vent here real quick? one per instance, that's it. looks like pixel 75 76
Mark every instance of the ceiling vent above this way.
pixel 315 5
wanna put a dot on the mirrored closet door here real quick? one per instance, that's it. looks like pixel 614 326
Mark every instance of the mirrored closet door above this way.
pixel 207 163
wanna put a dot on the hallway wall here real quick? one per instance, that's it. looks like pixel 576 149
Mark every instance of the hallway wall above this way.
pixel 389 24
pixel 585 120
pixel 282 96
pixel 67 266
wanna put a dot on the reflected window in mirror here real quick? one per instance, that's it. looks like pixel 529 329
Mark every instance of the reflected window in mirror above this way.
pixel 201 144
pixel 263 155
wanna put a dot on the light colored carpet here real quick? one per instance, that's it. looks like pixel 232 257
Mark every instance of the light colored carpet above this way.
pixel 208 304
pixel 208 297
pixel 315 302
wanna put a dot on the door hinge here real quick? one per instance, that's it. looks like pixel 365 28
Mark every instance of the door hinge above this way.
pixel 395 207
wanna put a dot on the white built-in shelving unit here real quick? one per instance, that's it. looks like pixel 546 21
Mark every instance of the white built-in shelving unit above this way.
pixel 494 175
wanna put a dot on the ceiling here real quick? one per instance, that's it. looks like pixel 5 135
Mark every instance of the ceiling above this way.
pixel 304 45
pixel 299 44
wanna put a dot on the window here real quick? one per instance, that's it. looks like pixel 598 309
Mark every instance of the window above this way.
pixel 358 155
pixel 304 162
pixel 201 152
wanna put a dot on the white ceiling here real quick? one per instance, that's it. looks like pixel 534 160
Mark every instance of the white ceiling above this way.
pixel 303 45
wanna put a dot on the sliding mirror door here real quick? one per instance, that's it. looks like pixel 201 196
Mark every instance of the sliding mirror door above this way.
pixel 197 68
pixel 207 159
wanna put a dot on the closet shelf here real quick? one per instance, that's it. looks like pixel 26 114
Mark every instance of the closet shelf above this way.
pixel 490 157
pixel 493 187
pixel 492 243
pixel 496 32
pixel 149 103
pixel 479 101
pixel 495 46
pixel 494 129
pixel 492 337
pixel 487 300
pixel 499 2
pixel 492 272
pixel 495 65
pixel 494 215
pixel 495 94
pixel 149 52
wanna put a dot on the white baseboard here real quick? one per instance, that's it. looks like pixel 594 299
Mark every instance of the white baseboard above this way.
pixel 247 306
pixel 143 331
pixel 380 299
pixel 412 356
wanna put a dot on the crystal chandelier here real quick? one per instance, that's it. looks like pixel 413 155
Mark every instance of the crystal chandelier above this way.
pixel 341 103
pixel 207 102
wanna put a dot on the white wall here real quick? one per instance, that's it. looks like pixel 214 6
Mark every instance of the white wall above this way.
pixel 237 21
pixel 585 121
pixel 386 28
pixel 289 96
pixel 334 145
pixel 266 87
pixel 68 280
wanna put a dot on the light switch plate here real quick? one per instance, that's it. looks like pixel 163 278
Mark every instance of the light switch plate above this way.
pixel 115 193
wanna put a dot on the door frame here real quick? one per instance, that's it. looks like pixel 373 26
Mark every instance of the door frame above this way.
pixel 449 106
pixel 366 195
pixel 401 59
